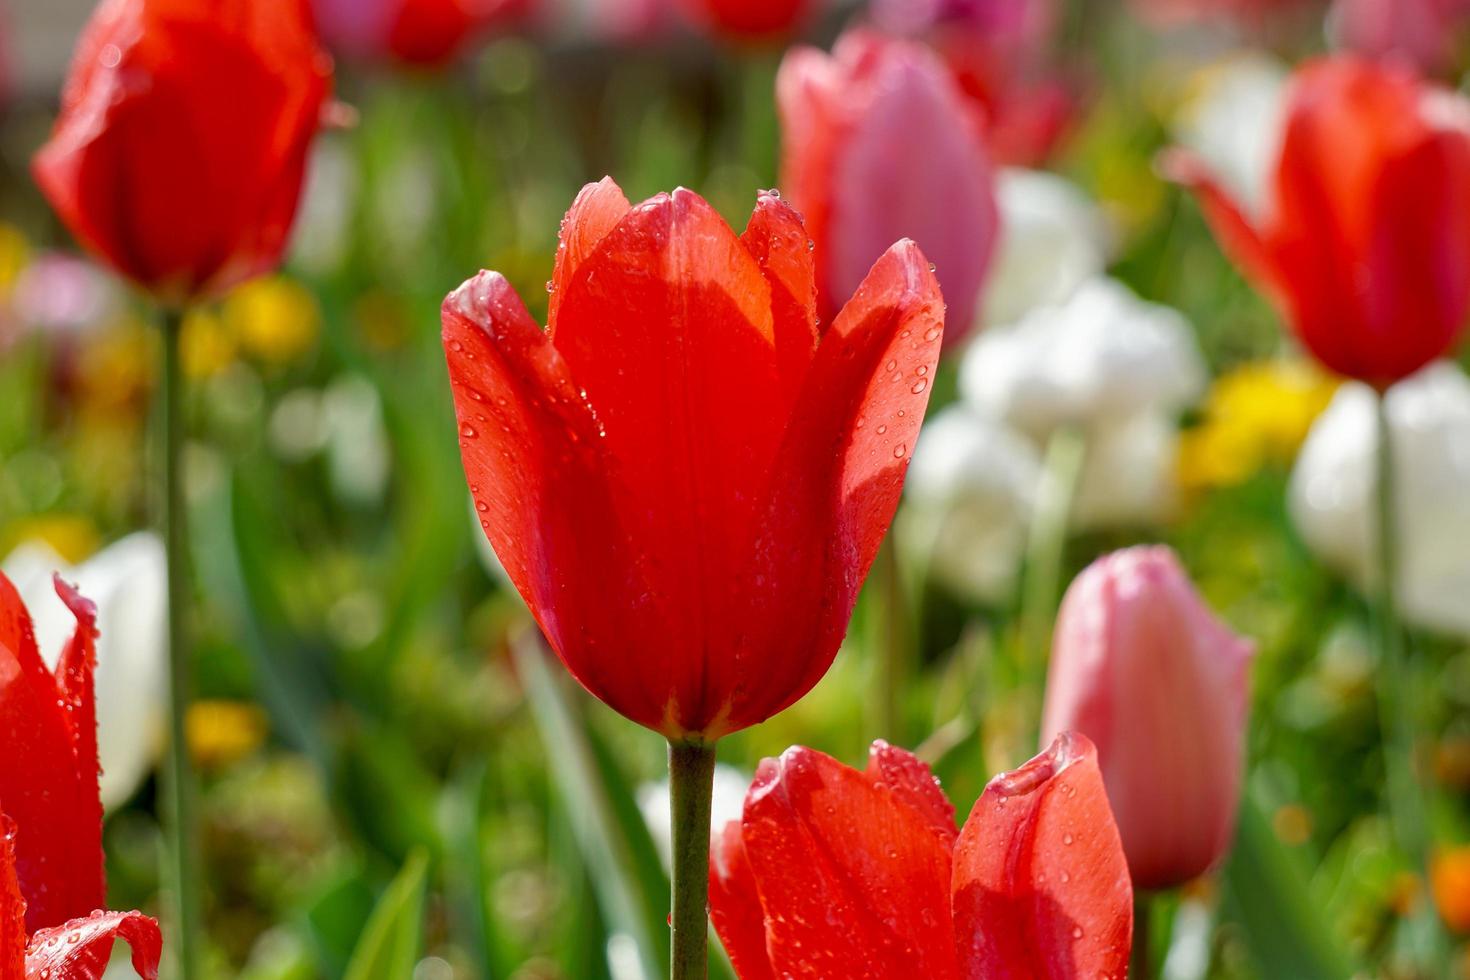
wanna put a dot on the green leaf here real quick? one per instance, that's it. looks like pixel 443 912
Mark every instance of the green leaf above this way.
pixel 1267 895
pixel 631 888
pixel 391 943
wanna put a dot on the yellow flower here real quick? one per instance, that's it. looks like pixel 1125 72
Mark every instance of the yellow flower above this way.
pixel 71 536
pixel 15 254
pixel 116 370
pixel 221 733
pixel 1256 414
pixel 205 347
pixel 275 319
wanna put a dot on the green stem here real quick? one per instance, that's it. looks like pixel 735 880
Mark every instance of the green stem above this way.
pixel 1046 550
pixel 893 656
pixel 1141 967
pixel 1406 795
pixel 691 785
pixel 179 778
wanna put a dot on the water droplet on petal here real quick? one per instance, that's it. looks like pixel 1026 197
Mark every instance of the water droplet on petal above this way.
pixel 919 386
pixel 899 450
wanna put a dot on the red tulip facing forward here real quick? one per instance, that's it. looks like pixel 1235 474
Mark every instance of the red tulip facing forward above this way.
pixel 1143 667
pixel 833 872
pixel 879 143
pixel 686 477
pixel 179 153
pixel 1365 240
pixel 51 884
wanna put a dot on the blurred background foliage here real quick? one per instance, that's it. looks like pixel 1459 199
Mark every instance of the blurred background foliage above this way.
pixel 383 741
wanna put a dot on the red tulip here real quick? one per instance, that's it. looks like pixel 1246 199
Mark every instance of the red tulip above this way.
pixel 749 19
pixel 685 477
pixel 833 872
pixel 51 883
pixel 1142 667
pixel 1365 241
pixel 183 136
pixel 1251 12
pixel 428 33
pixel 881 144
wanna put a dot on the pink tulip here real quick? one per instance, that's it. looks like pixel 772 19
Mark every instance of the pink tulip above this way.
pixel 880 144
pixel 1142 667
pixel 1424 32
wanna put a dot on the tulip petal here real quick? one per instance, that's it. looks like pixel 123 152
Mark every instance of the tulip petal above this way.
pixel 836 483
pixel 735 905
pixel 596 211
pixel 913 166
pixel 75 677
pixel 779 242
pixel 860 880
pixel 912 783
pixel 80 949
pixel 1041 888
pixel 12 908
pixel 668 327
pixel 1237 236
pixel 533 455
pixel 46 787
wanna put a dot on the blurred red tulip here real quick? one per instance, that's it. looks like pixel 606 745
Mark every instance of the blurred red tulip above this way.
pixel 1142 667
pixel 749 19
pixel 427 33
pixel 1425 32
pixel 1364 243
pixel 1000 54
pixel 880 144
pixel 833 872
pixel 51 878
pixel 685 477
pixel 183 136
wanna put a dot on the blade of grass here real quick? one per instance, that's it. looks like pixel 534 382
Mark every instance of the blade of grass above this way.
pixel 393 939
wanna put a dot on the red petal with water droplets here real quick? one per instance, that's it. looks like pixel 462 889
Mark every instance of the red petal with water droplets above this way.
pixel 668 326
pixel 735 905
pixel 596 211
pixel 533 454
pixel 913 784
pixel 853 878
pixel 46 786
pixel 12 908
pixel 1041 888
pixel 80 949
pixel 779 242
pixel 835 484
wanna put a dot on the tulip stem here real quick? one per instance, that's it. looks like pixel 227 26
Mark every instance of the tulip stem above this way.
pixel 894 640
pixel 691 786
pixel 1405 794
pixel 179 781
pixel 1046 549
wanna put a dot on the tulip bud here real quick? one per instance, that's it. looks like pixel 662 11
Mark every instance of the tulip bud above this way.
pixel 1142 667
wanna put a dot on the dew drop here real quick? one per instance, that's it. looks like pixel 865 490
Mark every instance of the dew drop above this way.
pixel 468 431
pixel 919 386
pixel 933 267
pixel 882 429
pixel 1067 839
pixel 899 450
pixel 481 506
pixel 456 346
pixel 891 366
pixel 922 370
pixel 932 334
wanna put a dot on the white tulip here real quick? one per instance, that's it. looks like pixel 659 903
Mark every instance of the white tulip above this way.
pixel 128 582
pixel 1053 238
pixel 967 502
pixel 1334 485
pixel 1128 472
pixel 1236 121
pixel 1103 354
pixel 728 804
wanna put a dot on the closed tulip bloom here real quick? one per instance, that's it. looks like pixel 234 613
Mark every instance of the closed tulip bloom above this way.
pixel 51 862
pixel 180 150
pixel 880 144
pixel 685 476
pixel 1142 667
pixel 749 19
pixel 1364 236
pixel 832 872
